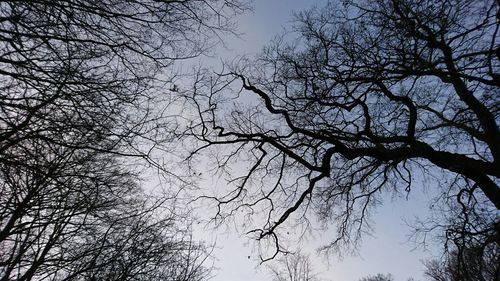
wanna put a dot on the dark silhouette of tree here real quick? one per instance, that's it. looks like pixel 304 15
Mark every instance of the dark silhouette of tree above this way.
pixel 381 277
pixel 84 102
pixel 368 97
pixel 378 277
pixel 92 223
pixel 293 267
pixel 466 264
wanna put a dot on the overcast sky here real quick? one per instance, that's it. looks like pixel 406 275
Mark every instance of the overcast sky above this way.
pixel 385 252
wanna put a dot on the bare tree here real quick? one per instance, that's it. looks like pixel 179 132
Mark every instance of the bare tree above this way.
pixel 85 218
pixel 368 97
pixel 378 277
pixel 293 267
pixel 471 263
pixel 85 99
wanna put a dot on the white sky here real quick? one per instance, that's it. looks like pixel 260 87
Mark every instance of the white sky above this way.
pixel 385 252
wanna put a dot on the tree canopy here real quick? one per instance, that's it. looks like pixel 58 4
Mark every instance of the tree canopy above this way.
pixel 84 92
pixel 362 99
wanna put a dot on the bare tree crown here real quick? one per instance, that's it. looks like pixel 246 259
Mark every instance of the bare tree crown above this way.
pixel 368 96
pixel 81 88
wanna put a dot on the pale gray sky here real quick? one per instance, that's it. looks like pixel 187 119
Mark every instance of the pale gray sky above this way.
pixel 384 252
